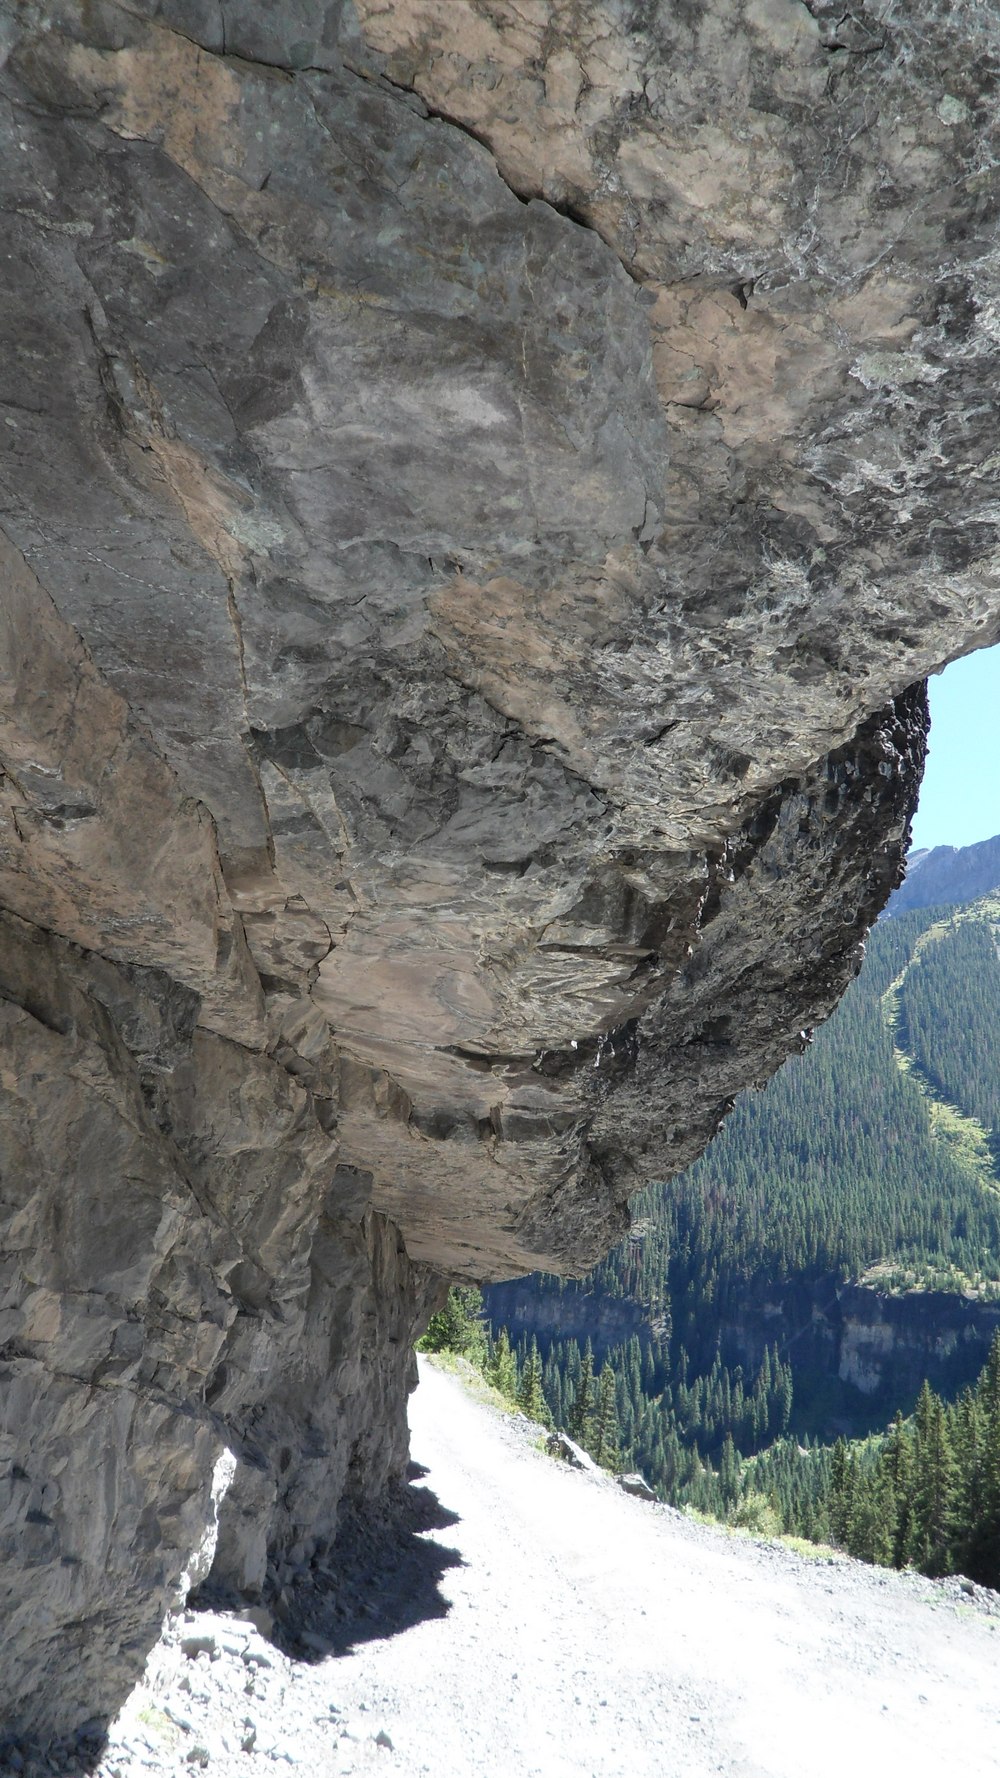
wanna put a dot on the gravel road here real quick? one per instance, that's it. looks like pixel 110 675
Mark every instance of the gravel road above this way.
pixel 558 1628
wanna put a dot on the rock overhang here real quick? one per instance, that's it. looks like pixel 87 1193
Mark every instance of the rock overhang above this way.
pixel 479 629
pixel 479 484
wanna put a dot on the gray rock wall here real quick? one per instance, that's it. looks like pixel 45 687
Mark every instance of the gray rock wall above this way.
pixel 475 487
pixel 186 1274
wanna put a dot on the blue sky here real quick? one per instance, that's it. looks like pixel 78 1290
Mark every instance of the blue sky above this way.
pixel 960 797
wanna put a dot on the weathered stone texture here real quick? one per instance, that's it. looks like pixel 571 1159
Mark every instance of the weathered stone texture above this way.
pixel 476 483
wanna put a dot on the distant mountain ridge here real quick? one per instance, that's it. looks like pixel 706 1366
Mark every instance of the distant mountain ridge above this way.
pixel 947 875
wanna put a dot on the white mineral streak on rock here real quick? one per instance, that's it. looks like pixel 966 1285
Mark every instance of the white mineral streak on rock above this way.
pixel 201 1559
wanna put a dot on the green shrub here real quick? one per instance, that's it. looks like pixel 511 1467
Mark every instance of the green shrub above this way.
pixel 458 1327
pixel 755 1513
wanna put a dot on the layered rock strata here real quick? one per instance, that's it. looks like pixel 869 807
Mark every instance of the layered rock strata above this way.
pixel 476 486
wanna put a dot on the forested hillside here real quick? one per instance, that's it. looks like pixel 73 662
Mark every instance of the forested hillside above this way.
pixel 848 1159
pixel 873 1159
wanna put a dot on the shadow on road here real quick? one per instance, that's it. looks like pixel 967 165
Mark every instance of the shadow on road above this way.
pixel 381 1576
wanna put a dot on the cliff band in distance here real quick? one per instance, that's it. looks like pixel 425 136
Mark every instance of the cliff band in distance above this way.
pixel 477 484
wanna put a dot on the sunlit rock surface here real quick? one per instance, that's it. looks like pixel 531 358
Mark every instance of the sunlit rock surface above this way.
pixel 476 485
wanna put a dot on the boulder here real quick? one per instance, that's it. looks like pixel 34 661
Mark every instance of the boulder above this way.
pixel 636 1484
pixel 560 1445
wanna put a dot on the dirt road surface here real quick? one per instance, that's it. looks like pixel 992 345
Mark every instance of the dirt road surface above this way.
pixel 563 1630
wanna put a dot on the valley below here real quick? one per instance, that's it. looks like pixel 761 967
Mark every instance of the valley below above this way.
pixel 557 1627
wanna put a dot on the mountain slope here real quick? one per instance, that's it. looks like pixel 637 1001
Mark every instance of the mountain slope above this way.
pixel 948 874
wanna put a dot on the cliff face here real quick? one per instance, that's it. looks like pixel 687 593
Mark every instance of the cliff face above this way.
pixel 476 485
pixel 881 1345
pixel 895 1342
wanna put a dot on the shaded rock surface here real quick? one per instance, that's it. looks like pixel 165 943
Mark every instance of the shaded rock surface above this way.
pixel 476 485
pixel 636 1484
pixel 888 1345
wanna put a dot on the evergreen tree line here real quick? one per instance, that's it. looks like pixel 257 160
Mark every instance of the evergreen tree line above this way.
pixel 670 1422
pixel 925 1496
pixel 682 1429
pixel 590 1412
pixel 929 1498
pixel 518 1375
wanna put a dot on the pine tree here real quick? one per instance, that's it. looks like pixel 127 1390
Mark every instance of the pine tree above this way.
pixel 897 1458
pixel 530 1394
pixel 581 1414
pixel 859 1538
pixel 501 1369
pixel 840 1491
pixel 553 1383
pixel 934 1486
pixel 604 1446
pixel 729 1472
pixel 984 1541
pixel 785 1397
pixel 966 1423
pixel 458 1327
